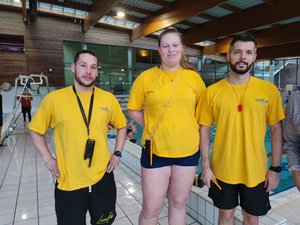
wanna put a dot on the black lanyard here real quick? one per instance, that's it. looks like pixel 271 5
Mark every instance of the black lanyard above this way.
pixel 86 121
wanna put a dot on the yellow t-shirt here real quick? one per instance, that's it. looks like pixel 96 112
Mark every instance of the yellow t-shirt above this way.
pixel 60 110
pixel 239 154
pixel 177 133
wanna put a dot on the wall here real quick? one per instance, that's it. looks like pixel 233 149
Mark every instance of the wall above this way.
pixel 44 44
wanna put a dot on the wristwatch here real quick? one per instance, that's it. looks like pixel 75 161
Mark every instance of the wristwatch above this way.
pixel 276 169
pixel 118 153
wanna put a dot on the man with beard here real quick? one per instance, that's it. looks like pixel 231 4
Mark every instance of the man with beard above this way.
pixel 83 166
pixel 240 106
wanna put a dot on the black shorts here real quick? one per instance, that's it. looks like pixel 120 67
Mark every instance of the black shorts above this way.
pixel 254 201
pixel 158 161
pixel 71 206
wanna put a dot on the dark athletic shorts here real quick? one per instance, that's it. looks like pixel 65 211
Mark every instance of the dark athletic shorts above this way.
pixel 254 201
pixel 158 161
pixel 71 206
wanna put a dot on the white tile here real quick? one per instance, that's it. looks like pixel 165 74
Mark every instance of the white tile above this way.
pixel 189 220
pixel 46 194
pixel 122 221
pixel 26 214
pixel 8 201
pixel 26 204
pixel 131 209
pixel 7 218
pixel 28 222
pixel 120 213
pixel 194 201
pixel 46 201
pixel 7 194
pixel 48 220
pixel 129 191
pixel 26 197
pixel 209 212
pixel 7 209
pixel 47 210
pixel 201 219
pixel 163 221
pixel 193 213
pixel 134 218
pixel 201 206
pixel 164 212
pixel 126 200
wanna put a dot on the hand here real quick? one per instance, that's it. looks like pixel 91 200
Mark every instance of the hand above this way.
pixel 113 163
pixel 53 167
pixel 272 180
pixel 206 175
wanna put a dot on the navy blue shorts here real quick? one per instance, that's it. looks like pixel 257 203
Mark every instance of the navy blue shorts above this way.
pixel 158 161
pixel 71 206
pixel 254 201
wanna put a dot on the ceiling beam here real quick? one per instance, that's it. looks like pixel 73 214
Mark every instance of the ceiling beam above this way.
pixel 24 12
pixel 178 14
pixel 99 9
pixel 69 4
pixel 269 37
pixel 279 51
pixel 265 14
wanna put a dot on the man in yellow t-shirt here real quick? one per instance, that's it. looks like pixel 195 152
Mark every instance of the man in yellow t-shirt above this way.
pixel 80 115
pixel 241 106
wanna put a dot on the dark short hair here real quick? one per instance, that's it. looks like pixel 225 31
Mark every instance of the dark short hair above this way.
pixel 243 38
pixel 76 58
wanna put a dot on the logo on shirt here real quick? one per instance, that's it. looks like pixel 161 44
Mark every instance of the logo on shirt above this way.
pixel 261 101
pixel 105 109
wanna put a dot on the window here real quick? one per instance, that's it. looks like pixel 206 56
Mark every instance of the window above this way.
pixel 11 43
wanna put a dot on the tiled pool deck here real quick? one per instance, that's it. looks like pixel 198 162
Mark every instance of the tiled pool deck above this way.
pixel 200 207
pixel 26 190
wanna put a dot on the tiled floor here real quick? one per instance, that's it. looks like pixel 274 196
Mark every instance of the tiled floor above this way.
pixel 26 187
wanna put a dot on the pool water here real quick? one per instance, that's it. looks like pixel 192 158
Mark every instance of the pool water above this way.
pixel 286 178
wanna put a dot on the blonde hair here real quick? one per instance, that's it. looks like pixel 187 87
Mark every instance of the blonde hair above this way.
pixel 183 62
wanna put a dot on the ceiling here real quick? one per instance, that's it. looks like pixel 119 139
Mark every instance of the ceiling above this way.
pixel 275 23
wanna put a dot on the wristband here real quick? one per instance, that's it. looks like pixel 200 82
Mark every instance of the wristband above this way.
pixel 276 169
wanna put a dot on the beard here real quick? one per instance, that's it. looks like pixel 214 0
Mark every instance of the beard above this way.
pixel 234 68
pixel 81 83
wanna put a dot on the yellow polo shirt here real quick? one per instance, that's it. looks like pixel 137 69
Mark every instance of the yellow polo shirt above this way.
pixel 177 133
pixel 60 111
pixel 239 154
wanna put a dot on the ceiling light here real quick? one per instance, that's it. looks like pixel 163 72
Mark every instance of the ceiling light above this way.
pixel 120 14
pixel 205 43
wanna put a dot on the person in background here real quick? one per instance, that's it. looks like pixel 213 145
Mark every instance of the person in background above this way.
pixel 240 106
pixel 131 130
pixel 291 133
pixel 26 99
pixel 83 167
pixel 129 136
pixel 163 100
